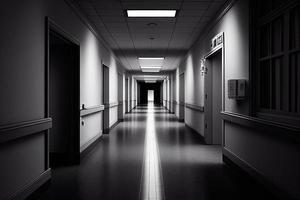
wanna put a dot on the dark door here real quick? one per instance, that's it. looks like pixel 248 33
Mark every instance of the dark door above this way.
pixel 63 99
pixel 106 99
pixel 181 97
pixel 213 99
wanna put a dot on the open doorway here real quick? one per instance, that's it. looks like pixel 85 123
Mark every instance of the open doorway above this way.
pixel 181 97
pixel 150 96
pixel 213 99
pixel 126 96
pixel 120 97
pixel 63 96
pixel 105 96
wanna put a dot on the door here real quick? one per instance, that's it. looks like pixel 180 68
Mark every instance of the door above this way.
pixel 120 97
pixel 150 96
pixel 181 97
pixel 126 96
pixel 63 99
pixel 213 99
pixel 106 99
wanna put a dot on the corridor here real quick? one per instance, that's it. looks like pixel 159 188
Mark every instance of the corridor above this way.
pixel 151 156
pixel 150 99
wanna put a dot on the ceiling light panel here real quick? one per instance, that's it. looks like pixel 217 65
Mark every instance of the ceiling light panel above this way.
pixel 151 13
pixel 151 67
pixel 151 62
pixel 150 81
pixel 150 70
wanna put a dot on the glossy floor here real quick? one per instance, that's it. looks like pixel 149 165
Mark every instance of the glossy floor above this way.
pixel 152 156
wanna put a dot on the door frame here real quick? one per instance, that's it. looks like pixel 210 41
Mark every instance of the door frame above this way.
pixel 51 26
pixel 182 103
pixel 120 94
pixel 106 104
pixel 208 106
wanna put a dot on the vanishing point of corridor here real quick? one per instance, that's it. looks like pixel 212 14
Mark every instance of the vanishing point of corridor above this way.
pixel 151 156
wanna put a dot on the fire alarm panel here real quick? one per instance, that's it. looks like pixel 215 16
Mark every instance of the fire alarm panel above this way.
pixel 237 89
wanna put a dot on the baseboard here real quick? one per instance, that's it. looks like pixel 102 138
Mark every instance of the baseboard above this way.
pixel 195 131
pixel 91 145
pixel 114 125
pixel 106 131
pixel 234 161
pixel 180 120
pixel 31 188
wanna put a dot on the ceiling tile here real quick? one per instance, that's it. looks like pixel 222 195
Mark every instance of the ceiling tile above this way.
pixel 129 37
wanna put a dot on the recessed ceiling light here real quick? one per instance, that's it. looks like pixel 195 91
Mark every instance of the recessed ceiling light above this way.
pixel 151 67
pixel 151 58
pixel 150 81
pixel 150 70
pixel 151 13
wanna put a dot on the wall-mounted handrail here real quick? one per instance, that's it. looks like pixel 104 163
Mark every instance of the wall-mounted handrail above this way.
pixel 91 110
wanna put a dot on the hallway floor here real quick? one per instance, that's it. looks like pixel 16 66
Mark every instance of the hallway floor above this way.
pixel 152 156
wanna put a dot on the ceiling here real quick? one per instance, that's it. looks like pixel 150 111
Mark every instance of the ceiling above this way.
pixel 131 38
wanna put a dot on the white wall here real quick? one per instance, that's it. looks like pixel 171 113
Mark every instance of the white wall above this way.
pixel 22 77
pixel 236 33
pixel 274 158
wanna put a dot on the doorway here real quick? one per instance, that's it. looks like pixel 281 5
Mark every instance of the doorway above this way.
pixel 150 96
pixel 105 96
pixel 120 97
pixel 126 96
pixel 63 96
pixel 181 97
pixel 213 99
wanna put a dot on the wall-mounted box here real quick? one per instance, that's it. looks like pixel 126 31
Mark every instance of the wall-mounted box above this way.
pixel 237 89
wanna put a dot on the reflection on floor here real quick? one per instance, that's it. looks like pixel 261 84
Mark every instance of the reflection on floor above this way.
pixel 152 156
pixel 152 185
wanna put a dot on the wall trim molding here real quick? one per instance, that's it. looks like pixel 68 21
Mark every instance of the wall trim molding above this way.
pixel 114 104
pixel 110 105
pixel 91 110
pixel 18 130
pixel 30 188
pixel 285 130
pixel 194 107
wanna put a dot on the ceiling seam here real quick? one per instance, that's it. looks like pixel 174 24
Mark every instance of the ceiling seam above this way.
pixel 224 8
pixel 172 34
pixel 99 16
pixel 127 25
pixel 92 27
pixel 193 31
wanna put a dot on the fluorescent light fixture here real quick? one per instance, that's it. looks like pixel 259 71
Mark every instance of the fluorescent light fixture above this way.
pixel 151 62
pixel 151 13
pixel 150 81
pixel 150 70
pixel 151 58
pixel 151 67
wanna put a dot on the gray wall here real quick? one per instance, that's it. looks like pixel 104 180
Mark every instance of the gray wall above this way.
pixel 274 158
pixel 22 82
